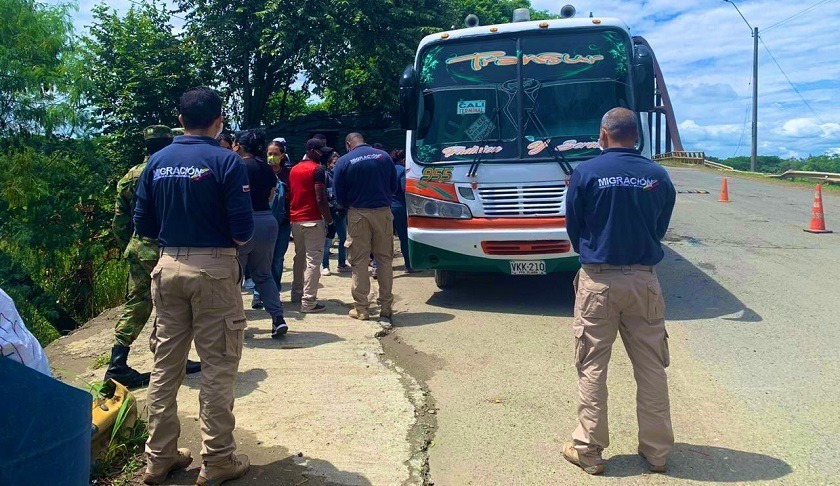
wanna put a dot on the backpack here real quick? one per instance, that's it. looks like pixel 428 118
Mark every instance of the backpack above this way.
pixel 278 203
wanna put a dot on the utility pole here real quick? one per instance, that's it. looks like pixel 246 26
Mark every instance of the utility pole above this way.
pixel 754 153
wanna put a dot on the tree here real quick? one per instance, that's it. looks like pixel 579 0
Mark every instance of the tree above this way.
pixel 493 11
pixel 254 49
pixel 135 70
pixel 34 42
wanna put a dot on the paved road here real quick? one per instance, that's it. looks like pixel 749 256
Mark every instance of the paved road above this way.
pixel 483 375
pixel 753 318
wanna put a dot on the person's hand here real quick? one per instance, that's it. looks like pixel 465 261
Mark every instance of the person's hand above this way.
pixel 331 231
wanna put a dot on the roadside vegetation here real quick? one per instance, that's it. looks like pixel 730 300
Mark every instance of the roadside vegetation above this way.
pixel 73 106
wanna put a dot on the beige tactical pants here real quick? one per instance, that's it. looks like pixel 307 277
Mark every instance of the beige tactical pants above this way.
pixel 196 295
pixel 627 301
pixel 309 252
pixel 371 231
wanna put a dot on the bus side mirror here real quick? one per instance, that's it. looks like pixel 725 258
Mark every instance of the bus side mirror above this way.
pixel 643 79
pixel 409 98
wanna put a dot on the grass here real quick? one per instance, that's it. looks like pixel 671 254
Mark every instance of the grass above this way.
pixel 109 285
pixel 101 360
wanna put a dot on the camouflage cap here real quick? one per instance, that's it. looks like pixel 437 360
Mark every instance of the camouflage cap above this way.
pixel 157 131
pixel 178 131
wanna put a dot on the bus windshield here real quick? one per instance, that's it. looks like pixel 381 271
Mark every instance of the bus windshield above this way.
pixel 516 99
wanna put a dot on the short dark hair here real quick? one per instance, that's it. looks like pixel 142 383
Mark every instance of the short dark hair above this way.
pixel 200 107
pixel 621 124
pixel 253 141
pixel 225 137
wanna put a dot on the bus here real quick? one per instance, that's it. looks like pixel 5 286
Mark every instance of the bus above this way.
pixel 497 117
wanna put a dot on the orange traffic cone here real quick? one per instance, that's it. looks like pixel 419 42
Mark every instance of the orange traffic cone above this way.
pixel 724 190
pixel 817 216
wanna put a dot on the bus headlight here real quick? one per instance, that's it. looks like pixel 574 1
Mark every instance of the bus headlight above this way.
pixel 435 208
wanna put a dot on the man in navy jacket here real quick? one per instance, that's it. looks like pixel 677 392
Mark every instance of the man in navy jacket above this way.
pixel 618 206
pixel 365 182
pixel 193 197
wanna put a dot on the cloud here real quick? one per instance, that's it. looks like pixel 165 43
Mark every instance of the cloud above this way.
pixel 808 127
pixel 705 51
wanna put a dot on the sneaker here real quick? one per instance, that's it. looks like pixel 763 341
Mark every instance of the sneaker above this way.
pixel 314 309
pixel 362 316
pixel 325 272
pixel 654 469
pixel 343 269
pixel 157 475
pixel 233 467
pixel 591 466
pixel 412 270
pixel 279 328
pixel 257 303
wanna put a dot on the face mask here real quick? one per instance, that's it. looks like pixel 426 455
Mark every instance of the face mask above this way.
pixel 325 159
pixel 273 160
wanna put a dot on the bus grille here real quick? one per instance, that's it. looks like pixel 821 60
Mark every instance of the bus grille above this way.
pixel 519 201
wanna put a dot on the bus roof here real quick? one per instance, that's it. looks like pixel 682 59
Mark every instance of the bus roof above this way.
pixel 554 25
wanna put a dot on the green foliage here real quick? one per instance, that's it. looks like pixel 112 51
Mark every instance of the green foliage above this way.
pixel 494 11
pixel 63 202
pixel 772 164
pixel 134 70
pixel 252 49
pixel 34 42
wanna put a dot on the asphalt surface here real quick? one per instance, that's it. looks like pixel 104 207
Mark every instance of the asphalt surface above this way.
pixel 752 304
pixel 476 385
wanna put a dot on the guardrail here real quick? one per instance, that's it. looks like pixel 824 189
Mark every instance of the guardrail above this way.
pixel 830 177
pixel 684 157
pixel 715 165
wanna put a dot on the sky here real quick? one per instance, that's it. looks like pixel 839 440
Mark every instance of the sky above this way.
pixel 706 50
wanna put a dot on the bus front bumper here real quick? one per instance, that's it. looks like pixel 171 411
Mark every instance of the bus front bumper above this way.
pixel 463 250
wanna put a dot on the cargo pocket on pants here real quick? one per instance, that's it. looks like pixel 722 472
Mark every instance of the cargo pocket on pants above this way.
pixel 155 286
pixel 665 351
pixel 216 287
pixel 153 336
pixel 592 300
pixel 580 346
pixel 656 303
pixel 234 337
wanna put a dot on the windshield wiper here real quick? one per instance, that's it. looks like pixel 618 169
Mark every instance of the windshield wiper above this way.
pixel 547 140
pixel 496 128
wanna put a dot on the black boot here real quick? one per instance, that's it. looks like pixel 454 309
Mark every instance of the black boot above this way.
pixel 120 372
pixel 193 366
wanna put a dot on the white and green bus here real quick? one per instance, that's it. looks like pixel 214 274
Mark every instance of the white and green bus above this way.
pixel 497 118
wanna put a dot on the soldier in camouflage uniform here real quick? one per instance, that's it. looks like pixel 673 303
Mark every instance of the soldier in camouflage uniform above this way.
pixel 142 256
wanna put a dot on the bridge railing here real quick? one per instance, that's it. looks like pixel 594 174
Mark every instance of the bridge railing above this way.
pixel 684 157
pixel 830 177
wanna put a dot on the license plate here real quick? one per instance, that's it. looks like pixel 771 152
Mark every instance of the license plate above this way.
pixel 531 267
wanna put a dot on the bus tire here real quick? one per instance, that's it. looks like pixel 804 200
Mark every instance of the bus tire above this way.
pixel 445 279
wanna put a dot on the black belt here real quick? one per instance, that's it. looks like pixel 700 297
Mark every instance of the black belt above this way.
pixel 602 267
pixel 194 250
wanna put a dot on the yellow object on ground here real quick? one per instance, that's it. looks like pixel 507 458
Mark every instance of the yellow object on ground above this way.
pixel 114 409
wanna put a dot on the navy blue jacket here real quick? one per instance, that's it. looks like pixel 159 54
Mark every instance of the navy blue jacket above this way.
pixel 618 206
pixel 365 178
pixel 194 193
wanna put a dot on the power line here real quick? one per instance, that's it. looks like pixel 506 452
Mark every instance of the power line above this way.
pixel 812 7
pixel 744 129
pixel 789 81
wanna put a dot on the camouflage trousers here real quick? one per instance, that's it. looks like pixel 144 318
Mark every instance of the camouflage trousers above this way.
pixel 138 301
